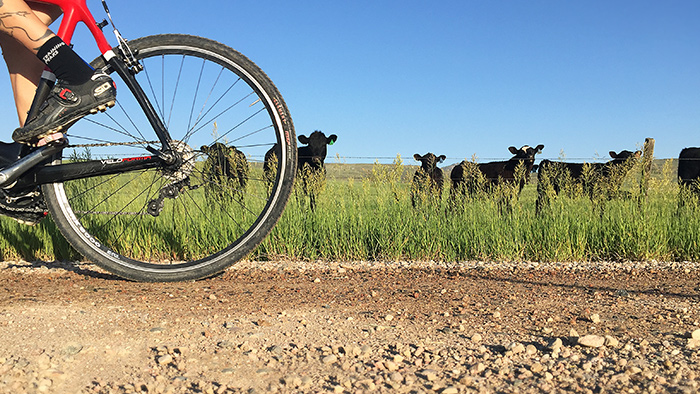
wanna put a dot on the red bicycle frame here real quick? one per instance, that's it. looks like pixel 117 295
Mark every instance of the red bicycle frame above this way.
pixel 75 11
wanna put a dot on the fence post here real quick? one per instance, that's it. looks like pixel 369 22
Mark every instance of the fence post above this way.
pixel 647 160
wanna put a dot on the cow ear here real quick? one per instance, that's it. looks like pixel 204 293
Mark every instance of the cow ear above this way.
pixel 539 148
pixel 418 157
pixel 513 150
pixel 441 158
pixel 638 153
pixel 204 148
pixel 613 154
pixel 331 140
pixel 303 139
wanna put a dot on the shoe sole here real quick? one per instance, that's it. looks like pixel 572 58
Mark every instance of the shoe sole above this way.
pixel 57 129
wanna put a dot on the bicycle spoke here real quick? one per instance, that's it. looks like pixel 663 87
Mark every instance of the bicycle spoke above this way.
pixel 238 125
pixel 202 112
pixel 150 85
pixel 177 85
pixel 196 94
pixel 193 130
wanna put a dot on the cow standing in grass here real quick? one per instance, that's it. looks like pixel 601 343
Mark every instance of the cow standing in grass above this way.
pixel 311 170
pixel 428 179
pixel 599 181
pixel 469 178
pixel 225 172
pixel 689 174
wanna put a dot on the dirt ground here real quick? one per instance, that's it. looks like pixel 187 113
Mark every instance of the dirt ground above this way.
pixel 353 327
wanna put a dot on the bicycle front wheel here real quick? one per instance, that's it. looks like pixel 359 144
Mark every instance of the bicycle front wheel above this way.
pixel 196 219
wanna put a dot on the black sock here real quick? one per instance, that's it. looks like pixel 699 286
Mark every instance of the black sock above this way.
pixel 64 62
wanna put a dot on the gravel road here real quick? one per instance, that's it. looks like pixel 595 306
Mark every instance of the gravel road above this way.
pixel 406 327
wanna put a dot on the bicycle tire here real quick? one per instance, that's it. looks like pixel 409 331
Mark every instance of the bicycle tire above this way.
pixel 215 219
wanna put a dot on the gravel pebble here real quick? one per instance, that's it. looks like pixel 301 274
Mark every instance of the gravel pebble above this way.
pixel 591 341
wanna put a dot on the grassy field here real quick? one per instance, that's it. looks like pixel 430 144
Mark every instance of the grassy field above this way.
pixel 365 213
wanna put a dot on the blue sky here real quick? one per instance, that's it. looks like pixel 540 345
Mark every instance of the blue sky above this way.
pixel 459 78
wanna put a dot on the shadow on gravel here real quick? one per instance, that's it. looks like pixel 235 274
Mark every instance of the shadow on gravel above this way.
pixel 617 292
pixel 85 269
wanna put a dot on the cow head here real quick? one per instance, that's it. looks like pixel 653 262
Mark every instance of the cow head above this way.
pixel 623 156
pixel 429 161
pixel 526 154
pixel 316 149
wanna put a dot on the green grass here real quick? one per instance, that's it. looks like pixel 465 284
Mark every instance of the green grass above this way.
pixel 364 212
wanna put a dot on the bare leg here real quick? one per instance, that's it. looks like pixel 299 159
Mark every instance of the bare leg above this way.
pixel 23 65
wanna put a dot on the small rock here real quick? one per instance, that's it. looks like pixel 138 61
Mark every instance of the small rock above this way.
pixel 164 360
pixel 595 318
pixel 536 368
pixel 72 349
pixel 611 341
pixel 517 348
pixel 276 350
pixel 622 293
pixel 693 343
pixel 306 381
pixel 477 338
pixel 573 333
pixel 390 366
pixel 466 380
pixel 389 317
pixel 555 344
pixel 330 359
pixel 695 334
pixel 292 381
pixel 396 377
pixel 591 341
pixel 450 390
pixel 226 344
pixel 429 374
pixel 634 370
pixel 496 315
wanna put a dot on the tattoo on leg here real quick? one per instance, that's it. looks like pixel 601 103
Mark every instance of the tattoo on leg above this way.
pixel 11 30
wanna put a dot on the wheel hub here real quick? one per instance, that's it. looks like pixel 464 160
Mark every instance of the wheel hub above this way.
pixel 184 165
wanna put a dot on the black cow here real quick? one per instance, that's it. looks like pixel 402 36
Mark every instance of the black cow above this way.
pixel 470 178
pixel 599 181
pixel 225 171
pixel 310 163
pixel 428 179
pixel 689 170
